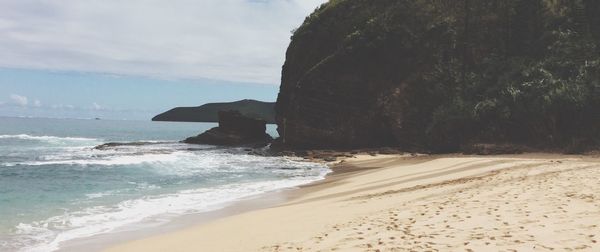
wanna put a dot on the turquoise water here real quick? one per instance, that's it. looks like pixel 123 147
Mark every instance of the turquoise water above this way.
pixel 55 186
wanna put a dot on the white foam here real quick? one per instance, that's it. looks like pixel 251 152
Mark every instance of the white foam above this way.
pixel 101 194
pixel 172 160
pixel 108 161
pixel 101 219
pixel 46 138
pixel 85 156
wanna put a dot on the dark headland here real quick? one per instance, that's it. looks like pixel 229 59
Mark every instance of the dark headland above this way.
pixel 209 112
pixel 442 76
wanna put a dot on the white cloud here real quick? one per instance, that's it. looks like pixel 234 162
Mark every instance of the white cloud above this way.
pixel 19 100
pixel 37 103
pixel 236 40
pixel 96 106
pixel 62 106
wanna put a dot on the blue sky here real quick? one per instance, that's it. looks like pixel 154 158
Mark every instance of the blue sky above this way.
pixel 86 95
pixel 133 59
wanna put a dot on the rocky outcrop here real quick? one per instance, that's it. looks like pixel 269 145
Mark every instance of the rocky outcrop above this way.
pixel 209 112
pixel 436 75
pixel 234 129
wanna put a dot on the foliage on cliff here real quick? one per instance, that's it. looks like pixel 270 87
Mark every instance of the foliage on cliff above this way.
pixel 439 74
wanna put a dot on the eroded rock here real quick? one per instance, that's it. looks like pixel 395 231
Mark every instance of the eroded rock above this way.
pixel 234 129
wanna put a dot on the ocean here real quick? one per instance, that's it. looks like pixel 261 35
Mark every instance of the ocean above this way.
pixel 55 186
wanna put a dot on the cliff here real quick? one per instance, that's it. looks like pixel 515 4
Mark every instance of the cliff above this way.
pixel 209 112
pixel 438 75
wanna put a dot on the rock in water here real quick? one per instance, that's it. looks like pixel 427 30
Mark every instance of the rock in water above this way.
pixel 234 129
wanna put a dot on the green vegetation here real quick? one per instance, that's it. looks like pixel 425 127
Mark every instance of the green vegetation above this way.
pixel 501 71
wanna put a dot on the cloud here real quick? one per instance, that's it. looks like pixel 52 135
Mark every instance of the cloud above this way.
pixel 234 40
pixel 96 106
pixel 19 100
pixel 62 106
pixel 22 101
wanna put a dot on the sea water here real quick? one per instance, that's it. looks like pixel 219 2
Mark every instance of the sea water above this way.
pixel 55 186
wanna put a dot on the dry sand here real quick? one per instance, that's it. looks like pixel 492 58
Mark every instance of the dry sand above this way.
pixel 440 203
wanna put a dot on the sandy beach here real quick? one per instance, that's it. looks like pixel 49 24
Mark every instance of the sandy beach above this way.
pixel 528 202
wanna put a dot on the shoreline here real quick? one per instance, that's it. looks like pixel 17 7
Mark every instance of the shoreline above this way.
pixel 348 210
pixel 143 230
pixel 150 228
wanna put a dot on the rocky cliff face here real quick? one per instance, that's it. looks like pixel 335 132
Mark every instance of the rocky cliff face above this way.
pixel 333 95
pixel 415 74
pixel 235 129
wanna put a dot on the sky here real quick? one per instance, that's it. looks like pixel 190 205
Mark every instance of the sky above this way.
pixel 133 59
